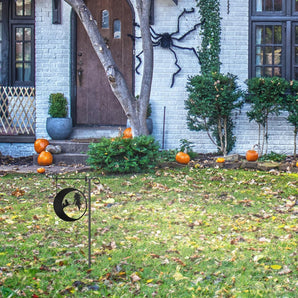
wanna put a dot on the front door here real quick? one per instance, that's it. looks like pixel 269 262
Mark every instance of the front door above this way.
pixel 96 104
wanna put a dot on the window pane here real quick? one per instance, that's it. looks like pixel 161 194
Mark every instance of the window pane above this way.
pixel 268 5
pixel 278 5
pixel 19 51
pixel 0 31
pixel 259 34
pixel 277 71
pixel 277 35
pixel 27 72
pixel 19 7
pixel 259 5
pixel 296 55
pixel 259 56
pixel 296 73
pixel 28 34
pixel 19 72
pixel 268 55
pixel 1 11
pixel 277 55
pixel 27 51
pixel 28 8
pixel 19 34
pixel 117 29
pixel 296 6
pixel 296 34
pixel 259 72
pixel 268 34
pixel 105 19
pixel 268 71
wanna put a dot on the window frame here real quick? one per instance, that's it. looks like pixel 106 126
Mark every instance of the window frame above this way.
pixel 286 19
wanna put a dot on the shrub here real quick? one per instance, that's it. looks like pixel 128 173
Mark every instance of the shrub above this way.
pixel 124 155
pixel 212 98
pixel 291 106
pixel 266 96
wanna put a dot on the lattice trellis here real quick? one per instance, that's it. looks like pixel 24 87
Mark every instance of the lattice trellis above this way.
pixel 17 110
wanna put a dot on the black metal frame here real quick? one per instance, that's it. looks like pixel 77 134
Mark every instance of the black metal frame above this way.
pixel 10 21
pixel 288 18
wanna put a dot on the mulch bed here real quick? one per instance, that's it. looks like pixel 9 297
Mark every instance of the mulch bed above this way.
pixel 201 161
pixel 19 161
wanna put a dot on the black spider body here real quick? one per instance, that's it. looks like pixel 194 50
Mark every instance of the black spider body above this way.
pixel 168 41
pixel 165 41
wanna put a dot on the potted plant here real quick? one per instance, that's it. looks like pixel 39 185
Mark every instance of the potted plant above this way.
pixel 59 126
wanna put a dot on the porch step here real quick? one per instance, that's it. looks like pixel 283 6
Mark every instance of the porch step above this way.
pixel 74 150
pixel 96 132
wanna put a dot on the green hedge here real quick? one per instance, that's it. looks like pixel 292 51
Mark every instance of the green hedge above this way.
pixel 124 155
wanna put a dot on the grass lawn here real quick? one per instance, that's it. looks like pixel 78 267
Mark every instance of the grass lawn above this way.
pixel 172 233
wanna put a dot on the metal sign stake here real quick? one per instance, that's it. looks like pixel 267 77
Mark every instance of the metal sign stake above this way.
pixel 61 202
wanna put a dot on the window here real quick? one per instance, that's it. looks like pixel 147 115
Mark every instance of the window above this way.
pixel 117 29
pixel 105 19
pixel 17 43
pixel 274 38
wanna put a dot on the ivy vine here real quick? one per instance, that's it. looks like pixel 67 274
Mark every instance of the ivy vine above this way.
pixel 210 32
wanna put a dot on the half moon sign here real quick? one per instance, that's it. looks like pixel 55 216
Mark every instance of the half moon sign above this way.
pixel 61 202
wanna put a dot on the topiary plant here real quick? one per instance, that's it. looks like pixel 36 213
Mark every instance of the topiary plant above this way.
pixel 212 98
pixel 57 105
pixel 266 96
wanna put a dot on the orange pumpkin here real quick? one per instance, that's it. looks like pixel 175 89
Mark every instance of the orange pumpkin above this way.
pixel 41 170
pixel 127 133
pixel 252 155
pixel 183 158
pixel 297 164
pixel 40 145
pixel 220 160
pixel 45 158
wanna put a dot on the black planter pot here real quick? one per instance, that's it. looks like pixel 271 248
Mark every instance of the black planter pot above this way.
pixel 59 128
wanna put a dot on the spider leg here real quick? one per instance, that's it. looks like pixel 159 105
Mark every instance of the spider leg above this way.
pixel 154 35
pixel 191 30
pixel 133 37
pixel 191 49
pixel 176 63
pixel 178 25
pixel 140 62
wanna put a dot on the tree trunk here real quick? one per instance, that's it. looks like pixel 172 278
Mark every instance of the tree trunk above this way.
pixel 135 110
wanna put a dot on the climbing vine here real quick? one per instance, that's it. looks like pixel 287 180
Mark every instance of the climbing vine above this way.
pixel 210 32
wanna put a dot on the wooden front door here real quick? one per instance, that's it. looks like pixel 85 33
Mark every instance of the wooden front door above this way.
pixel 96 104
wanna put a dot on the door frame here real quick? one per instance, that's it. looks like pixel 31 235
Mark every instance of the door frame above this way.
pixel 73 62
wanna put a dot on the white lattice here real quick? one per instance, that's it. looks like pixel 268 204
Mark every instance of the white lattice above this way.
pixel 17 110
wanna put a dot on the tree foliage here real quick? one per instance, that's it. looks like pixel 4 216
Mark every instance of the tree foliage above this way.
pixel 266 96
pixel 291 106
pixel 212 98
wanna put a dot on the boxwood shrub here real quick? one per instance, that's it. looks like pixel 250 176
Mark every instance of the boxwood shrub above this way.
pixel 120 155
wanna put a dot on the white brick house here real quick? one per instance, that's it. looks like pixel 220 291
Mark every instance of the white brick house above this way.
pixel 53 46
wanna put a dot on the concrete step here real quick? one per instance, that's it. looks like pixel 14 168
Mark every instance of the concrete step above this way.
pixel 96 132
pixel 74 150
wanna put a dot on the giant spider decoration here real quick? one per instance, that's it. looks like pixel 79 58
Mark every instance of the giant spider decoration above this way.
pixel 166 41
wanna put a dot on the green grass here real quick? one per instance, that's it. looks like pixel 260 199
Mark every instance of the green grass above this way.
pixel 172 233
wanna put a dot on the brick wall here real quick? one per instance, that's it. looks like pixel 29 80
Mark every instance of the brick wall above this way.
pixel 52 48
